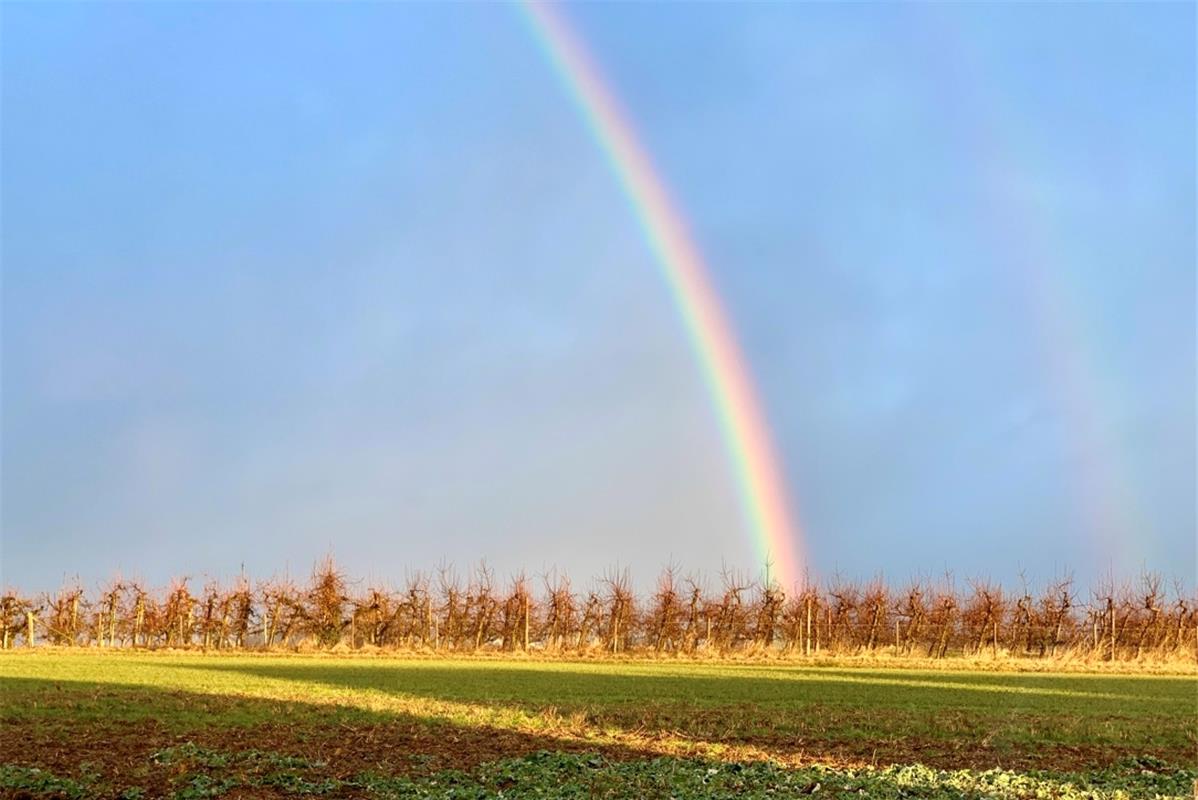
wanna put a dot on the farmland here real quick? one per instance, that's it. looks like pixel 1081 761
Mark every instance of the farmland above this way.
pixel 139 724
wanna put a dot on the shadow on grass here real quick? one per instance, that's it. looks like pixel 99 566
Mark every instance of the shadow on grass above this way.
pixel 840 714
pixel 108 736
pixel 112 735
pixel 83 739
pixel 534 686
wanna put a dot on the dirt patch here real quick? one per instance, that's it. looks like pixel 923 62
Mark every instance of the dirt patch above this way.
pixel 122 755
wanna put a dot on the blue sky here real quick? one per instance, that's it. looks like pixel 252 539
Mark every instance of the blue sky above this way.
pixel 286 278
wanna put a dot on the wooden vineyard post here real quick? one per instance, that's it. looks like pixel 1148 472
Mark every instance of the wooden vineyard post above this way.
pixel 526 621
pixel 1111 611
pixel 807 643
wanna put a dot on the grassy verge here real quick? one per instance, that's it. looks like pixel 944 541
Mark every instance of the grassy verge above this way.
pixel 1176 665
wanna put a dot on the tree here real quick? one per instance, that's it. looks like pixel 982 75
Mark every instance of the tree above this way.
pixel 325 603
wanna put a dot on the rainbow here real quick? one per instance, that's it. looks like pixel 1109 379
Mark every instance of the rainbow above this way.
pixel 1020 233
pixel 744 428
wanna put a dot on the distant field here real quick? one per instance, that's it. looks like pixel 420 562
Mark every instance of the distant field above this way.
pixel 79 724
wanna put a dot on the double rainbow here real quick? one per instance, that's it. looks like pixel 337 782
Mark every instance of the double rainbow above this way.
pixel 724 369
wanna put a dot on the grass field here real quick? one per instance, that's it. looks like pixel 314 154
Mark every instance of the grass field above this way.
pixel 162 725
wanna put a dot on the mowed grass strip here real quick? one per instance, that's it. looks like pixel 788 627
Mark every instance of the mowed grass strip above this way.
pixel 796 714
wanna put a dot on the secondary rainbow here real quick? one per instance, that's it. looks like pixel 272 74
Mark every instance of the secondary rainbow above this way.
pixel 746 433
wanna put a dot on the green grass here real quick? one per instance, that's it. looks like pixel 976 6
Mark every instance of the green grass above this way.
pixel 1083 729
pixel 726 702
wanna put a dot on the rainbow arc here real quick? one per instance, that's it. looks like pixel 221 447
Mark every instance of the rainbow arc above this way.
pixel 726 373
